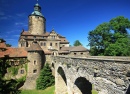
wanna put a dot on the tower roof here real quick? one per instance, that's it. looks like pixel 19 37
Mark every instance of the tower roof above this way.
pixel 35 47
pixel 37 10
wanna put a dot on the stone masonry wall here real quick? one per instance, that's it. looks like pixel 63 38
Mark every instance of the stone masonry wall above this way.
pixel 110 75
pixel 37 25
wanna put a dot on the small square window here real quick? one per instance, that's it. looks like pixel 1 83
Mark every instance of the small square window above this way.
pixel 22 71
pixel 34 71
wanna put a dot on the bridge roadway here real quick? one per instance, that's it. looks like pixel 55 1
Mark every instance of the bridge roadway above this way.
pixel 77 75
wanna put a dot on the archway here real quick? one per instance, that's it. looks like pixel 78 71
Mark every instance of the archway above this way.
pixel 84 85
pixel 61 82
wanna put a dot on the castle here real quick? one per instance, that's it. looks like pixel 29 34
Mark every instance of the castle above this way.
pixel 49 41
pixel 38 46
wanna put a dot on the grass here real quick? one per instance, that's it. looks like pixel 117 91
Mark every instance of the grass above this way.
pixel 94 91
pixel 49 90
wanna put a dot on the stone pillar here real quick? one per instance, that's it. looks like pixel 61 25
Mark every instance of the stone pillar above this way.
pixel 60 85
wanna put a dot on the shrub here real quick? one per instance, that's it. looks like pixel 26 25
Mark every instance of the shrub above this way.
pixel 45 79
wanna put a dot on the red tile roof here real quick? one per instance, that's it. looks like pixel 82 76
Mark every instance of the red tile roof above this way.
pixel 14 52
pixel 35 47
pixel 2 45
pixel 29 34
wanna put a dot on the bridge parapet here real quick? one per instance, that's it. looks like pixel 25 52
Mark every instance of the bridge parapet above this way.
pixel 106 73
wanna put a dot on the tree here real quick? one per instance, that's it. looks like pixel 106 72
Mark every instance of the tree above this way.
pixel 7 86
pixel 8 45
pixel 45 79
pixel 77 43
pixel 111 39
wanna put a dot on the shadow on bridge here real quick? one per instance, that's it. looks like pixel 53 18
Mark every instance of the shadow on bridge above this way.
pixel 61 72
pixel 128 90
pixel 84 85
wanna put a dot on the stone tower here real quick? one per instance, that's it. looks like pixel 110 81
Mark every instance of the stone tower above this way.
pixel 37 22
pixel 36 59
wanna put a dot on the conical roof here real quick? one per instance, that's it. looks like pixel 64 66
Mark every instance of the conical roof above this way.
pixel 78 48
pixel 35 47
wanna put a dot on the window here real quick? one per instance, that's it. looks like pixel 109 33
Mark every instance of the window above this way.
pixel 35 62
pixel 22 71
pixel 50 44
pixel 74 53
pixel 34 71
pixel 34 36
pixel 12 63
pixel 44 44
pixel 22 44
pixel 55 44
pixel 41 44
pixel 81 53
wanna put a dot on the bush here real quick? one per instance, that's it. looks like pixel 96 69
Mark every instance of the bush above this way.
pixel 45 79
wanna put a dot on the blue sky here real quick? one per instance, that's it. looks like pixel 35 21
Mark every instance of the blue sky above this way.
pixel 70 18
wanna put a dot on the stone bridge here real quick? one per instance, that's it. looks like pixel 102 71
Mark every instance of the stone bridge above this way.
pixel 75 75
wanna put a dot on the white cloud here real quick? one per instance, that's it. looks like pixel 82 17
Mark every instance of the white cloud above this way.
pixel 21 14
pixel 16 35
pixel 3 17
pixel 20 24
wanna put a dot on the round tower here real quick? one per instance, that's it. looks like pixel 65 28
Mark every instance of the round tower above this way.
pixel 36 59
pixel 37 22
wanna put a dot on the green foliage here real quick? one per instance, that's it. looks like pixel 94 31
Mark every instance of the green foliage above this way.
pixel 77 43
pixel 111 39
pixel 45 79
pixel 8 45
pixel 26 67
pixel 13 70
pixel 22 79
pixel 6 86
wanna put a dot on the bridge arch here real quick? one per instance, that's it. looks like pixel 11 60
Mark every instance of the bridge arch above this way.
pixel 60 81
pixel 83 85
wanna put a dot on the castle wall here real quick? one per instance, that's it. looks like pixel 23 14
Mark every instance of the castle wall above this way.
pixel 34 66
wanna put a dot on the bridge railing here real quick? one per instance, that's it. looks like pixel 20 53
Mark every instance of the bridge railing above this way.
pixel 107 58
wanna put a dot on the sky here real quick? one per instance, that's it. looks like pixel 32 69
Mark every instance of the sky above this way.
pixel 73 19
